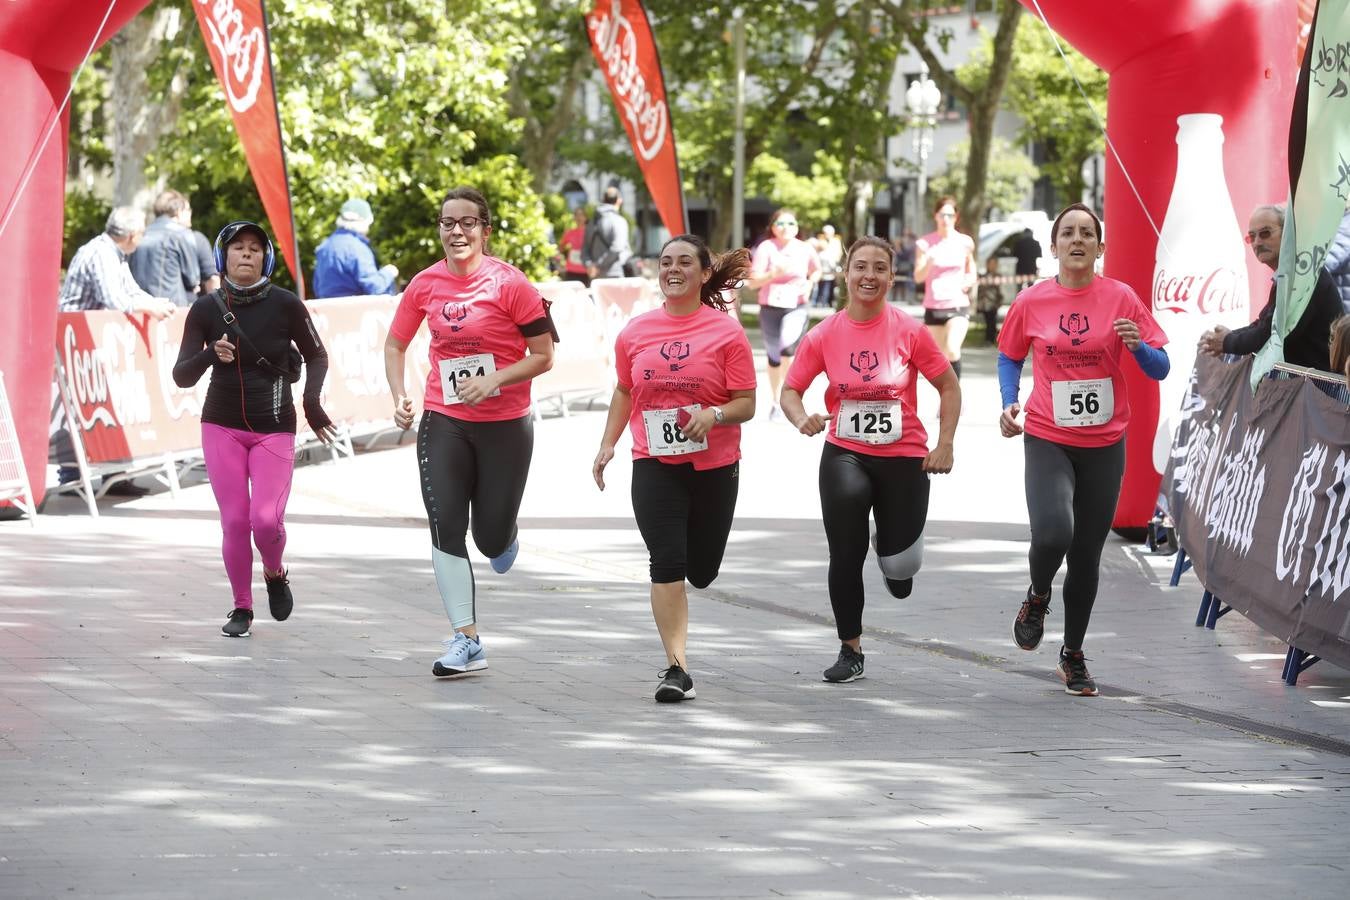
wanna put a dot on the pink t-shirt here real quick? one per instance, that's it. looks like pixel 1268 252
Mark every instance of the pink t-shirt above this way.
pixel 797 259
pixel 570 245
pixel 475 324
pixel 871 368
pixel 945 287
pixel 667 362
pixel 1078 394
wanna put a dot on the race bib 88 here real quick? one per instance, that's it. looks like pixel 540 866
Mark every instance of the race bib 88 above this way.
pixel 664 435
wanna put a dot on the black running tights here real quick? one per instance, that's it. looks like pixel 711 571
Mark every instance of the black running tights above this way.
pixel 684 515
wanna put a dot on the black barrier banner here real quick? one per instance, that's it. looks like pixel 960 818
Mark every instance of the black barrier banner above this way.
pixel 1259 488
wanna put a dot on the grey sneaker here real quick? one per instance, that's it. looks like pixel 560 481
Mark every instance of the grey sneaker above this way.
pixel 1073 669
pixel 676 685
pixel 237 625
pixel 848 667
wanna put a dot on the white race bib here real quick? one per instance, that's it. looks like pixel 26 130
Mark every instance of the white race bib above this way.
pixel 452 370
pixel 1079 404
pixel 664 436
pixel 786 294
pixel 868 421
pixel 574 257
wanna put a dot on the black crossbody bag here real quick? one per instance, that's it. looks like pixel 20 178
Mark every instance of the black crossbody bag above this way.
pixel 294 361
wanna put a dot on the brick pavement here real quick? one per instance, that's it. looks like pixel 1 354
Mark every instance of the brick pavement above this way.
pixel 142 755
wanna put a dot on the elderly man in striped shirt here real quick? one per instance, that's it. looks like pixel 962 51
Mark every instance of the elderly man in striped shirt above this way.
pixel 99 277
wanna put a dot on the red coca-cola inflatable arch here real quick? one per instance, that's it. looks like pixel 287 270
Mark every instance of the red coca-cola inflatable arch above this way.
pixel 41 43
pixel 1230 59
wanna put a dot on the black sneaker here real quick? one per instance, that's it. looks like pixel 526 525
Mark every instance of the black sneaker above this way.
pixel 1029 627
pixel 279 599
pixel 676 685
pixel 238 623
pixel 1073 669
pixel 848 667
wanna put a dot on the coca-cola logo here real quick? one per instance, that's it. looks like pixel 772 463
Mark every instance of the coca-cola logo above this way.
pixel 241 49
pixel 88 383
pixel 613 36
pixel 1215 291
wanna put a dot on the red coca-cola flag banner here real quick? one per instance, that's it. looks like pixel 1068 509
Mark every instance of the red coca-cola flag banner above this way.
pixel 621 39
pixel 235 32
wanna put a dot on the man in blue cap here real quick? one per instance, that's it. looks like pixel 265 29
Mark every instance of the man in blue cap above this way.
pixel 344 264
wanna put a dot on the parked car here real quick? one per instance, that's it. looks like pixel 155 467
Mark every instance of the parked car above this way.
pixel 997 240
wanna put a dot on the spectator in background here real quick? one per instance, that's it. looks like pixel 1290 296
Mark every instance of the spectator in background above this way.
pixel 1308 343
pixel 573 240
pixel 206 260
pixel 165 263
pixel 99 278
pixel 902 289
pixel 989 299
pixel 831 252
pixel 1340 347
pixel 606 247
pixel 344 264
pixel 1338 261
pixel 1028 252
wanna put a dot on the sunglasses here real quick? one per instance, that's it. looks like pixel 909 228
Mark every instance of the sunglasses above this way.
pixel 1264 234
pixel 946 215
pixel 786 222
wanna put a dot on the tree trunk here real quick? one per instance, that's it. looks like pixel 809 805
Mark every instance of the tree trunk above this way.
pixel 983 109
pixel 542 135
pixel 139 119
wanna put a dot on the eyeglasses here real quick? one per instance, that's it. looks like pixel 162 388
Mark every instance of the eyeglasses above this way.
pixel 1264 234
pixel 467 223
pixel 787 223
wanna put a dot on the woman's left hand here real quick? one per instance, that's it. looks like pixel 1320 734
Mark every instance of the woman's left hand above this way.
pixel 700 423
pixel 327 433
pixel 1128 332
pixel 939 460
pixel 474 391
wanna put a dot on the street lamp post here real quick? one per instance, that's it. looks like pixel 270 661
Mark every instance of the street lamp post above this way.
pixel 923 99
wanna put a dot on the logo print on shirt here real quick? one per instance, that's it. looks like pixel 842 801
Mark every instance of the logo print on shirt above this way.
pixel 675 353
pixel 455 314
pixel 1074 325
pixel 865 363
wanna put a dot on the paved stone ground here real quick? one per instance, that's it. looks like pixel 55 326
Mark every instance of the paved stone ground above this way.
pixel 143 755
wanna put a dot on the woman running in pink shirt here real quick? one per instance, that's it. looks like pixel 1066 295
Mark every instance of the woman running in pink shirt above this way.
pixel 490 334
pixel 785 270
pixel 876 459
pixel 1074 329
pixel 944 261
pixel 686 382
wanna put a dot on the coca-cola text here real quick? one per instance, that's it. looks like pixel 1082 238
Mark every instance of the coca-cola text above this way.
pixel 1201 292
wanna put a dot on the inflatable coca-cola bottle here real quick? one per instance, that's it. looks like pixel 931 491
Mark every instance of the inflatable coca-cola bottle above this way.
pixel 1200 276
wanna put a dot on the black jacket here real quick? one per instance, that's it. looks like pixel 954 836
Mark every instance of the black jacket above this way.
pixel 1309 344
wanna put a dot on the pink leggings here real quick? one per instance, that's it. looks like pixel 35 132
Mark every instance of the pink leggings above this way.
pixel 236 461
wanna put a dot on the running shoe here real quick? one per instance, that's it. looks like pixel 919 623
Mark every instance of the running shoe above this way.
pixel 501 564
pixel 462 654
pixel 237 625
pixel 279 599
pixel 1073 669
pixel 848 667
pixel 1029 627
pixel 676 685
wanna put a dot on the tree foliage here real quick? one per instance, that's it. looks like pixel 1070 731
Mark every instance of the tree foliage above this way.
pixel 816 198
pixel 1011 175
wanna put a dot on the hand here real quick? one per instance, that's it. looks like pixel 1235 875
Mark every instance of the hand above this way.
pixel 326 433
pixel 403 413
pixel 1211 342
pixel 389 271
pixel 939 460
pixel 474 391
pixel 598 467
pixel 813 424
pixel 159 307
pixel 224 349
pixel 1007 422
pixel 700 423
pixel 593 271
pixel 1128 332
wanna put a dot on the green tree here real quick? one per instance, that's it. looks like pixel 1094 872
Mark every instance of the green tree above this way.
pixel 394 101
pixel 816 198
pixel 1011 175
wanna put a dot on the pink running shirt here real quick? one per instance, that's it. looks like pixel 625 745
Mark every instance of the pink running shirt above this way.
pixel 474 319
pixel 871 367
pixel 667 362
pixel 1078 394
pixel 798 261
pixel 945 287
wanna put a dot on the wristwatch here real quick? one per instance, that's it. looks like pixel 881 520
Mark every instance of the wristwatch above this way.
pixel 719 415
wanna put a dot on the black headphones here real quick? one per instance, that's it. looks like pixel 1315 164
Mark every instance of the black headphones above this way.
pixel 231 231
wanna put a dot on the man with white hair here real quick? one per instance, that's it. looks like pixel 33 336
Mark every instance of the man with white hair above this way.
pixel 344 264
pixel 99 277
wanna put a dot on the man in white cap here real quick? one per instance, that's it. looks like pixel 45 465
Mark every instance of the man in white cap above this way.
pixel 344 264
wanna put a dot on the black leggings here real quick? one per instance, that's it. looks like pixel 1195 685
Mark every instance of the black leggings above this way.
pixel 685 516
pixel 483 464
pixel 894 490
pixel 1071 500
